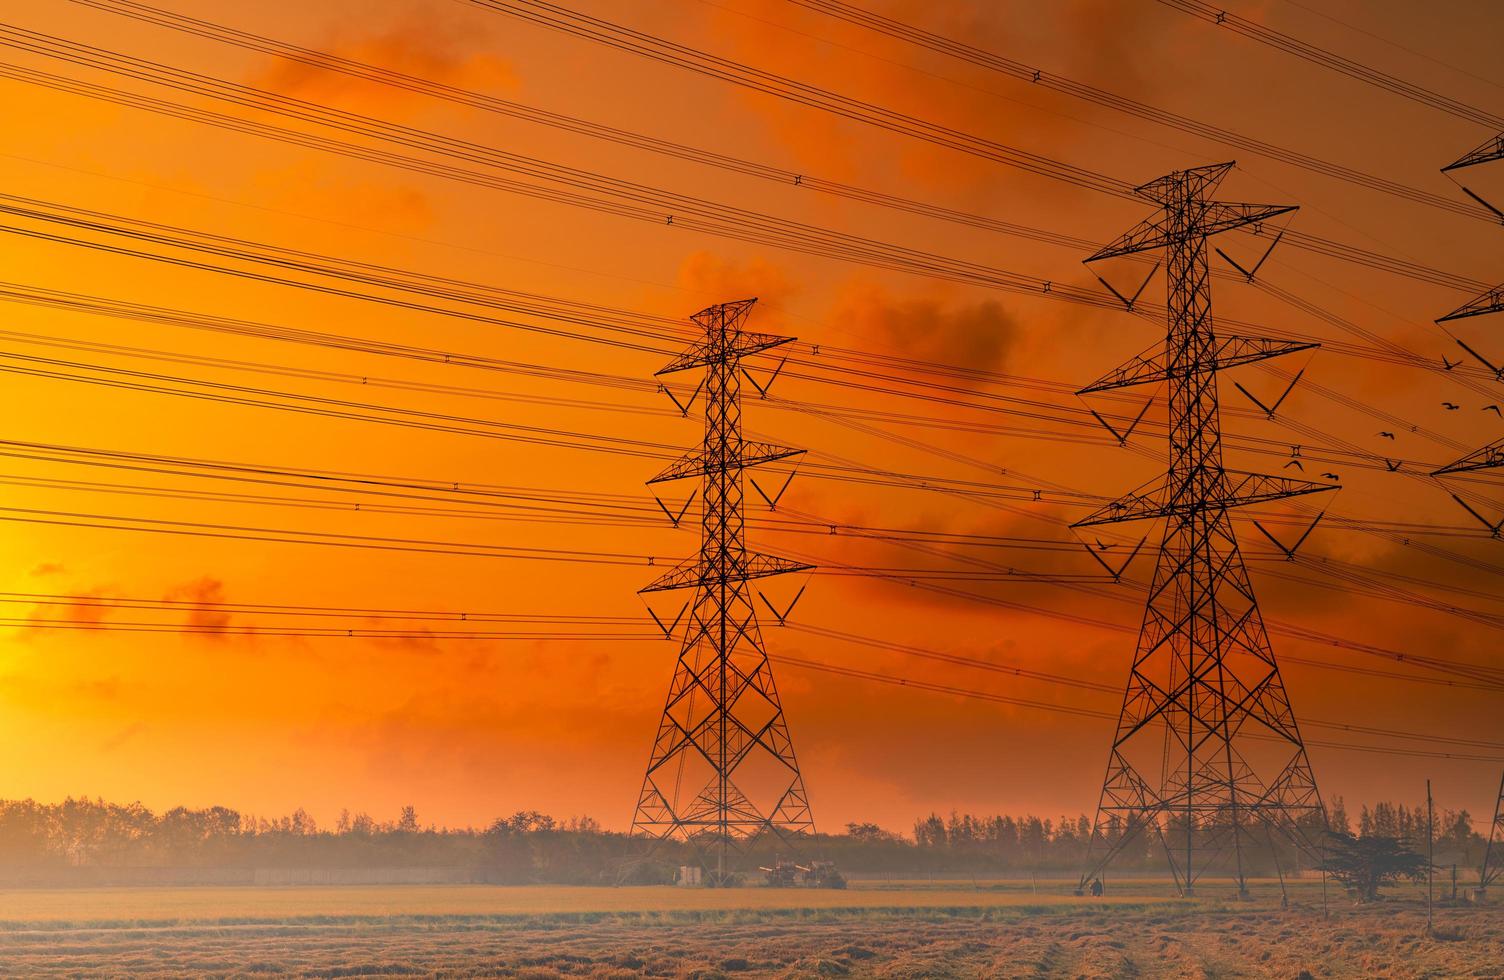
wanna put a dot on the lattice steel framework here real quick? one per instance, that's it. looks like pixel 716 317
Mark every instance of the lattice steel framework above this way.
pixel 722 770
pixel 1488 458
pixel 1493 864
pixel 1207 750
pixel 1491 301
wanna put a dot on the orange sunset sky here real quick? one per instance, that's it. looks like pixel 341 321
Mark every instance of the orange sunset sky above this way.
pixel 168 700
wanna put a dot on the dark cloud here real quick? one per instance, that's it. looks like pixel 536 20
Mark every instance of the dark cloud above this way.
pixel 74 610
pixel 428 47
pixel 978 335
pixel 121 737
pixel 204 598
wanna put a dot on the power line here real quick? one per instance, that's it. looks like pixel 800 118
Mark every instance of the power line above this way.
pixel 975 695
pixel 423 285
pixel 282 632
pixel 92 601
pixel 643 516
pixel 1331 61
pixel 623 198
pixel 1035 76
pixel 584 26
pixel 236 532
pixel 1394 44
pixel 1251 444
pixel 218 606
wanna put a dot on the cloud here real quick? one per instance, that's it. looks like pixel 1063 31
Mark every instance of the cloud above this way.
pixel 121 737
pixel 433 48
pixel 978 335
pixel 76 609
pixel 309 186
pixel 420 640
pixel 204 597
pixel 99 689
pixel 714 279
pixel 1105 45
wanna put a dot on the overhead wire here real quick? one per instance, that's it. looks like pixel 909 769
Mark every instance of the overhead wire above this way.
pixel 630 197
pixel 587 27
pixel 1038 77
pixel 1334 62
pixel 230 628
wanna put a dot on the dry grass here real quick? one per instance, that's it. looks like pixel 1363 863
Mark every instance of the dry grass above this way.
pixel 171 905
pixel 877 929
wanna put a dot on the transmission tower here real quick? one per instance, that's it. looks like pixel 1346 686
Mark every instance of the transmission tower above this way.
pixel 1489 457
pixel 1492 301
pixel 1493 868
pixel 1207 750
pixel 722 770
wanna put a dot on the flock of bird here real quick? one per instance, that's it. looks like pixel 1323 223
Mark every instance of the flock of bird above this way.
pixel 1295 461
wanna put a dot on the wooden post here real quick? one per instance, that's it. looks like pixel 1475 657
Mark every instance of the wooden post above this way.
pixel 1430 856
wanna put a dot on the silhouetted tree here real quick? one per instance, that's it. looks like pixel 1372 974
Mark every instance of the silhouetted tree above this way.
pixel 1368 863
pixel 1337 818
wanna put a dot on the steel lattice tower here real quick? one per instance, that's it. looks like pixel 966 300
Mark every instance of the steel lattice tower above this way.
pixel 1493 869
pixel 1207 749
pixel 1489 457
pixel 722 770
pixel 1492 301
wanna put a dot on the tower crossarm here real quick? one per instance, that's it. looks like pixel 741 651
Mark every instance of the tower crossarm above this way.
pixel 1231 351
pixel 1489 457
pixel 1212 218
pixel 1155 499
pixel 725 341
pixel 692 572
pixel 1487 153
pixel 699 462
pixel 1490 302
pixel 741 345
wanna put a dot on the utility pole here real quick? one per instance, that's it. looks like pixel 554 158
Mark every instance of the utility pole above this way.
pixel 722 769
pixel 1430 857
pixel 1206 734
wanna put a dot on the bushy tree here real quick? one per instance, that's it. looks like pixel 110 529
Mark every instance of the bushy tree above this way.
pixel 1366 864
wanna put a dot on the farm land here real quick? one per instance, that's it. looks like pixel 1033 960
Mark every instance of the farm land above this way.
pixel 884 928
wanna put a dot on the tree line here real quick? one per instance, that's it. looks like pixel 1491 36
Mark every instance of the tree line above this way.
pixel 529 846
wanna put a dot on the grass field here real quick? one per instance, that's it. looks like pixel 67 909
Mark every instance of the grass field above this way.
pixel 897 929
pixel 167 906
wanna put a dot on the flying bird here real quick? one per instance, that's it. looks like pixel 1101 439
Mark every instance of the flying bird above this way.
pixel 1295 463
pixel 1392 465
pixel 1450 407
pixel 1104 547
pixel 1331 476
pixel 1494 409
pixel 1450 364
pixel 1387 435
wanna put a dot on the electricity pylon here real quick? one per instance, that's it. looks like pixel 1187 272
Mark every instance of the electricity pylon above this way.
pixel 722 770
pixel 1207 748
pixel 1493 869
pixel 1492 301
pixel 1488 458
